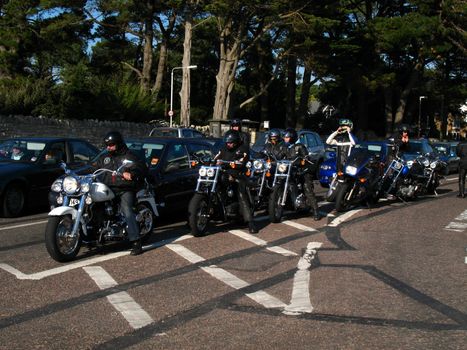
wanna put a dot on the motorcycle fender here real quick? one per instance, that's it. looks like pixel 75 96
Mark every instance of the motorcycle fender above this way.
pixel 152 204
pixel 60 211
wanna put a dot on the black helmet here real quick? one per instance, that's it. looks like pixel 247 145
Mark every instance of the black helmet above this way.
pixel 274 134
pixel 290 132
pixel 232 137
pixel 346 122
pixel 236 122
pixel 113 138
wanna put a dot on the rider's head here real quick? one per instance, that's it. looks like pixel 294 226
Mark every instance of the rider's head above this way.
pixel 344 122
pixel 290 135
pixel 113 141
pixel 274 136
pixel 236 124
pixel 232 139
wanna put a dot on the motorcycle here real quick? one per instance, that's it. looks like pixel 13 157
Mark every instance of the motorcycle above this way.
pixel 288 189
pixel 259 181
pixel 213 199
pixel 359 180
pixel 89 215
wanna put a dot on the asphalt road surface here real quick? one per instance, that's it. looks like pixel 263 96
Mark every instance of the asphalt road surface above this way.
pixel 390 277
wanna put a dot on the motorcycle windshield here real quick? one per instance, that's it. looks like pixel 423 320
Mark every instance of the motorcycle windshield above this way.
pixel 358 157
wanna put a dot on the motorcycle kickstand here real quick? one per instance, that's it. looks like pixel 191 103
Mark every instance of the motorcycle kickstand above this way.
pixel 403 201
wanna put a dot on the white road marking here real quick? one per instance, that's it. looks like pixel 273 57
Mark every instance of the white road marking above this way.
pixel 300 302
pixel 299 226
pixel 261 297
pixel 462 216
pixel 460 224
pixel 65 268
pixel 262 243
pixel 341 218
pixel 23 225
pixel 121 301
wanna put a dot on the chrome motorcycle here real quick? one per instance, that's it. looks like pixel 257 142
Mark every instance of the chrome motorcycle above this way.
pixel 89 215
pixel 259 181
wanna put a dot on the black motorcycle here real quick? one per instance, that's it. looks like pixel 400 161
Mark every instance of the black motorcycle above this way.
pixel 260 180
pixel 359 181
pixel 288 189
pixel 89 214
pixel 215 199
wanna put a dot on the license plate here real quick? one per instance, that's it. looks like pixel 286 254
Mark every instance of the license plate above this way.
pixel 73 202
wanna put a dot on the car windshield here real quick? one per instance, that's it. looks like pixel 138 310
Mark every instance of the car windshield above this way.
pixel 164 132
pixel 21 150
pixel 418 147
pixel 442 149
pixel 150 152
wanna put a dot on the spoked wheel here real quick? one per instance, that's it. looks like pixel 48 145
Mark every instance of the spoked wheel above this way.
pixel 14 200
pixel 146 221
pixel 275 208
pixel 198 212
pixel 60 243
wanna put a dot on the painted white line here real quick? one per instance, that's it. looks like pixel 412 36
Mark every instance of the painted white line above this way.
pixel 456 226
pixel 23 225
pixel 226 277
pixel 341 218
pixel 299 226
pixel 300 302
pixel 121 301
pixel 65 268
pixel 462 216
pixel 262 243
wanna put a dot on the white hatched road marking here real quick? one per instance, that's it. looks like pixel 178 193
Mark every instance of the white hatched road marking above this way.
pixel 341 218
pixel 460 224
pixel 121 301
pixel 65 268
pixel 300 302
pixel 261 297
pixel 299 226
pixel 262 243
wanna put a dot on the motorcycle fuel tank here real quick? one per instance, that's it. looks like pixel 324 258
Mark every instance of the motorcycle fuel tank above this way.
pixel 101 192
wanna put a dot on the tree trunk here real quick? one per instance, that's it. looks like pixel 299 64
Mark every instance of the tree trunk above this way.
pixel 185 90
pixel 291 90
pixel 304 98
pixel 413 79
pixel 389 125
pixel 147 52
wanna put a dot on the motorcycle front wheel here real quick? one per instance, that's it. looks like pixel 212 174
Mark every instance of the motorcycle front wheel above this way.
pixel 60 243
pixel 146 221
pixel 198 214
pixel 342 204
pixel 275 208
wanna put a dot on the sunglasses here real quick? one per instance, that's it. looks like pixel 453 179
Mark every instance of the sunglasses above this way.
pixel 110 144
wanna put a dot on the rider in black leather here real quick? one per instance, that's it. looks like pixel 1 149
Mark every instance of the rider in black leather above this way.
pixel 401 141
pixel 236 150
pixel 236 125
pixel 126 186
pixel 295 150
pixel 275 145
pixel 461 151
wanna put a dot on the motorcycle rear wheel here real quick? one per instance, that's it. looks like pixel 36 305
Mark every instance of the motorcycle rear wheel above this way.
pixel 275 208
pixel 145 220
pixel 341 203
pixel 198 215
pixel 62 247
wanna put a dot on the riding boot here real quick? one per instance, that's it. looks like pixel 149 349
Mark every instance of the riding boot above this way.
pixel 461 189
pixel 252 227
pixel 137 247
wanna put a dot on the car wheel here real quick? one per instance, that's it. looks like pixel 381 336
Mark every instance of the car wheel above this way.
pixel 14 200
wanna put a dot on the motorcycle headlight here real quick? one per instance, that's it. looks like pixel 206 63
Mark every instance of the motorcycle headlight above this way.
pixel 433 165
pixel 325 167
pixel 210 172
pixel 258 165
pixel 282 167
pixel 202 171
pixel 248 164
pixel 70 185
pixel 351 170
pixel 410 163
pixel 86 187
pixel 57 186
pixel 425 162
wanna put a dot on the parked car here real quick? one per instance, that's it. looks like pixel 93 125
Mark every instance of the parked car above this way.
pixel 28 167
pixel 327 169
pixel 309 138
pixel 170 166
pixel 175 132
pixel 446 151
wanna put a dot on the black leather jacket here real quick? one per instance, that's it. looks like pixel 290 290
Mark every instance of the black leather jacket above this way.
pixel 279 150
pixel 461 151
pixel 137 169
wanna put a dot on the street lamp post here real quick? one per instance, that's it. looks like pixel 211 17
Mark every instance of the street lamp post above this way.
pixel 420 114
pixel 171 112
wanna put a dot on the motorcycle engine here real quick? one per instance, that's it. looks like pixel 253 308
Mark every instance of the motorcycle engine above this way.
pixel 407 191
pixel 300 201
pixel 114 232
